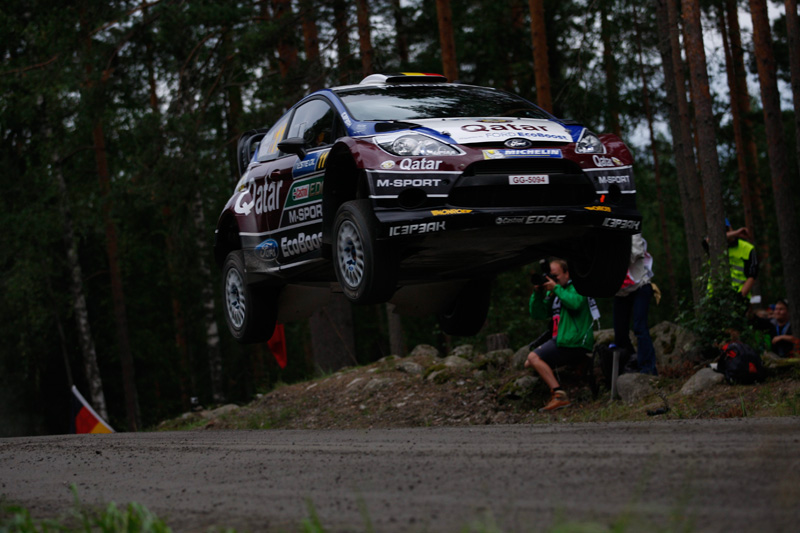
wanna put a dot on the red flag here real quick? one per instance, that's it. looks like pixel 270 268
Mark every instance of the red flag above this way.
pixel 85 419
pixel 277 345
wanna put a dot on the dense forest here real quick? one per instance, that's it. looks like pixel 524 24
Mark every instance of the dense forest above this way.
pixel 120 121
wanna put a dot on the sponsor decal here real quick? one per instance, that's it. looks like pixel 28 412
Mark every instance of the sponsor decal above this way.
pixel 305 192
pixel 598 208
pixel 530 152
pixel 263 198
pixel 531 179
pixel 267 250
pixel 616 161
pixel 503 127
pixel 301 214
pixel 613 179
pixel 386 165
pixel 621 224
pixel 419 164
pixel 346 119
pixel 450 212
pixel 602 161
pixel 313 162
pixel 545 219
pixel 301 244
pixel 517 143
pixel 409 183
pixel 416 229
pixel 502 221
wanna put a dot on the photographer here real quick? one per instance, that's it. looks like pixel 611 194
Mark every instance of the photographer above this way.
pixel 572 329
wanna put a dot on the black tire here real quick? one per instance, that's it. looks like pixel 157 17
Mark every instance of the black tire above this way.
pixel 600 268
pixel 250 312
pixel 364 266
pixel 466 315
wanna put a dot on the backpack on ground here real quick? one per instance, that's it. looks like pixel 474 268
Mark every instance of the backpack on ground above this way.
pixel 740 363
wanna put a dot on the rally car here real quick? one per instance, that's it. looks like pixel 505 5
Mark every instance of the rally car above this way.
pixel 410 189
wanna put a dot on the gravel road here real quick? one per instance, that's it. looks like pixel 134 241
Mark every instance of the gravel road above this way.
pixel 709 475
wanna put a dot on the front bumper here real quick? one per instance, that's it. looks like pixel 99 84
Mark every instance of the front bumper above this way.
pixel 400 223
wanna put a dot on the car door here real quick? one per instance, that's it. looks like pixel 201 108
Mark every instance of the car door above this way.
pixel 298 228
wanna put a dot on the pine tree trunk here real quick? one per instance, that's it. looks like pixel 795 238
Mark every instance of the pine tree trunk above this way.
pixel 662 218
pixel 447 39
pixel 94 95
pixel 287 52
pixel 680 125
pixel 207 295
pixel 311 45
pixel 793 36
pixel 778 164
pixel 744 182
pixel 115 272
pixel 758 188
pixel 364 38
pixel 609 65
pixel 706 137
pixel 397 345
pixel 342 28
pixel 401 40
pixel 541 61
pixel 85 338
pixel 332 336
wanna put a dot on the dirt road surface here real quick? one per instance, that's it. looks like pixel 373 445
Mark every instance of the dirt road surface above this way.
pixel 707 475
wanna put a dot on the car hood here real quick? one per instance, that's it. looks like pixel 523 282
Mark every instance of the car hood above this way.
pixel 483 130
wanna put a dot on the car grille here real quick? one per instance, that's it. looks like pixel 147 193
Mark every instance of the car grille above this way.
pixel 485 184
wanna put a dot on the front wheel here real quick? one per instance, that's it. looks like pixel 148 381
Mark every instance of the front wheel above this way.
pixel 600 268
pixel 467 313
pixel 363 265
pixel 250 312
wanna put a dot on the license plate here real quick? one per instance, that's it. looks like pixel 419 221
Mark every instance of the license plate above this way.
pixel 529 179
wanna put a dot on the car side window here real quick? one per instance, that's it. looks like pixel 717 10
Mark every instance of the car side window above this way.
pixel 314 122
pixel 268 149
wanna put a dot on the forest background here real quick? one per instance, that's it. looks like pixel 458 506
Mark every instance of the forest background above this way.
pixel 120 120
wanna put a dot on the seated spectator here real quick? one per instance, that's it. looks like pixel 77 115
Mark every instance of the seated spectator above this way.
pixel 572 337
pixel 783 342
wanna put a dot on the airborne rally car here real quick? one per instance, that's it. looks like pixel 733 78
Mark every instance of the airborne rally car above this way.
pixel 409 189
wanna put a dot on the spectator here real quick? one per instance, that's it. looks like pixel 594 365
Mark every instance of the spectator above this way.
pixel 633 301
pixel 783 342
pixel 572 330
pixel 742 259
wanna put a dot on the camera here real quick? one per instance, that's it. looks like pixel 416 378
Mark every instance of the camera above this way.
pixel 538 278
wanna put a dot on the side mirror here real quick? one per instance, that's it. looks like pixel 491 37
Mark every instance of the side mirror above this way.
pixel 247 147
pixel 293 145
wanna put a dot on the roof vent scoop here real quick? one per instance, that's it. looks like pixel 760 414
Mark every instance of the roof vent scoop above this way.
pixel 403 77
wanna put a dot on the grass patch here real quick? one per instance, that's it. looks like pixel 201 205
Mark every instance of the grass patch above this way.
pixel 133 518
pixel 136 518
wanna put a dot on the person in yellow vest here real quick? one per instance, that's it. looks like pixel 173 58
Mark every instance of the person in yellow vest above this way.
pixel 742 259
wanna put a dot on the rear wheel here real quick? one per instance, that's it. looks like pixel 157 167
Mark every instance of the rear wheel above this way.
pixel 467 313
pixel 364 266
pixel 250 312
pixel 601 267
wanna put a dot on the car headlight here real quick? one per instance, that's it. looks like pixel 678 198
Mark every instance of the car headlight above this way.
pixel 589 144
pixel 415 144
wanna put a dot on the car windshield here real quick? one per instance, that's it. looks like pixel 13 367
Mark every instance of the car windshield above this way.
pixel 409 102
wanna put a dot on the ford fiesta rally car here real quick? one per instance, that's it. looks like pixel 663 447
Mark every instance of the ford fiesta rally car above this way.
pixel 409 189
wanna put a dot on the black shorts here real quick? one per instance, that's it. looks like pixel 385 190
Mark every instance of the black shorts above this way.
pixel 556 356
